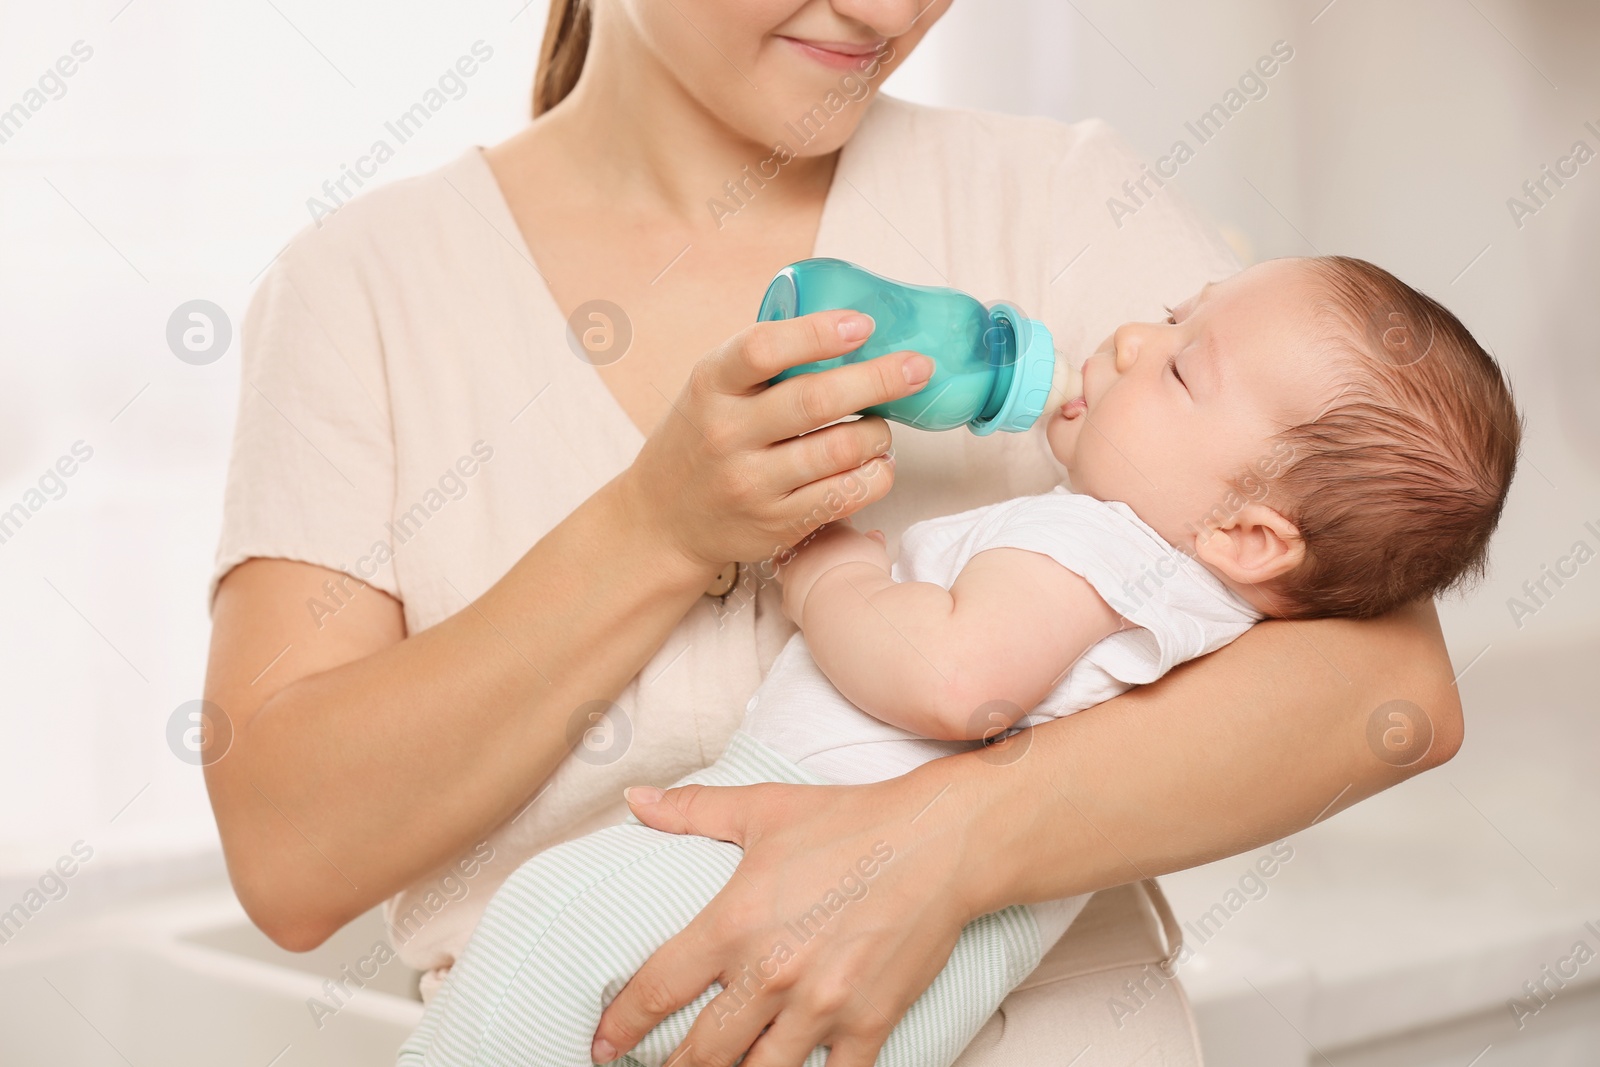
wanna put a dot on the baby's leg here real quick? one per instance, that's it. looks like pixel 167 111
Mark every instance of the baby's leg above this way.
pixel 560 939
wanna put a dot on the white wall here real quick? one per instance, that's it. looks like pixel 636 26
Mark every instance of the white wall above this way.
pixel 174 167
pixel 183 151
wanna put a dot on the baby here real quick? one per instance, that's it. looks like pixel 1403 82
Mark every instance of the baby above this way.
pixel 1307 438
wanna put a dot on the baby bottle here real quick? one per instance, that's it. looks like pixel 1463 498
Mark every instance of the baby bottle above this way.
pixel 994 368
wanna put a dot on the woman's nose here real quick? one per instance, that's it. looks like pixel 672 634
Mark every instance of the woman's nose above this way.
pixel 890 18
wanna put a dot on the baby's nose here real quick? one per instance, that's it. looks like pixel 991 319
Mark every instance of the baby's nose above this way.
pixel 1125 346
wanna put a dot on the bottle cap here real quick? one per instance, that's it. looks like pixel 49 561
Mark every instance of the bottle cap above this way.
pixel 1031 375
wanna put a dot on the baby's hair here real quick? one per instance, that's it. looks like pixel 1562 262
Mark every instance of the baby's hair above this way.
pixel 1397 486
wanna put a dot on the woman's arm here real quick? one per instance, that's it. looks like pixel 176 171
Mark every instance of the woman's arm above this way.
pixel 1256 741
pixel 362 758
pixel 1253 742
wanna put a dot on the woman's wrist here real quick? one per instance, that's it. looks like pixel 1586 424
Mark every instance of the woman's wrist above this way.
pixel 668 557
pixel 1007 812
pixel 963 802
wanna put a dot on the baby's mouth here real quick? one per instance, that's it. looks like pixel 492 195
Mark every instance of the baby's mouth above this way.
pixel 1066 390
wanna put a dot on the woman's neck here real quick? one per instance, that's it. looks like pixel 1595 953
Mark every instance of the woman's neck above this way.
pixel 642 140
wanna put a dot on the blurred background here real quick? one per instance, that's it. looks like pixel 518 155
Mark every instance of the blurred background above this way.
pixel 1456 142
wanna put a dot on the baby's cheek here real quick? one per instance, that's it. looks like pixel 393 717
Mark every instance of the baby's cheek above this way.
pixel 1120 465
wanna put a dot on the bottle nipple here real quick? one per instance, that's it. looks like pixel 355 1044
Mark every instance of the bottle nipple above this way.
pixel 1066 383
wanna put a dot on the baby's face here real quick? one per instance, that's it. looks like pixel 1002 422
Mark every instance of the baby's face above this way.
pixel 1171 412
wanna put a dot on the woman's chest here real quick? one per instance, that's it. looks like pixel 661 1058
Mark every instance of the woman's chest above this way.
pixel 644 303
pixel 644 342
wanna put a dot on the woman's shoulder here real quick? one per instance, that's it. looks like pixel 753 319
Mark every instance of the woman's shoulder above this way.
pixel 390 259
pixel 354 231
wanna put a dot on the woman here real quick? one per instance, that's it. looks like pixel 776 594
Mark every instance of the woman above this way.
pixel 503 428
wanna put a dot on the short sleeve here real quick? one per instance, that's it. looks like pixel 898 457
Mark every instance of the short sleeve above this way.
pixel 312 473
pixel 1122 245
pixel 1183 608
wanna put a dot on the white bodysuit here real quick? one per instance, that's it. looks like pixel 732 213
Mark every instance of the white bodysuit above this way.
pixel 1177 609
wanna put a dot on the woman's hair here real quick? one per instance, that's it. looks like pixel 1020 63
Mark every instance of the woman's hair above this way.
pixel 566 43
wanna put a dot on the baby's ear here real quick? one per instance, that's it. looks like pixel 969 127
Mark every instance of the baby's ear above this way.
pixel 1253 546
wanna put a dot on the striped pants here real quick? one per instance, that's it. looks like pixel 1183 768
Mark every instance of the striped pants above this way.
pixel 565 932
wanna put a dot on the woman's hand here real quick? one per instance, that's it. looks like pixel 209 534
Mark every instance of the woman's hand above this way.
pixel 837 542
pixel 886 865
pixel 728 476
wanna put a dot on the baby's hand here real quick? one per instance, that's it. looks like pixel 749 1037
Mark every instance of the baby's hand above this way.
pixel 828 546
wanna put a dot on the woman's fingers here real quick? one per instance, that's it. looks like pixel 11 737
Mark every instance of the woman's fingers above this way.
pixel 733 1021
pixel 711 480
pixel 832 450
pixel 678 972
pixel 808 401
pixel 704 810
pixel 853 1053
pixel 819 502
pixel 803 403
pixel 762 349
pixel 785 1044
pixel 795 1033
pixel 738 476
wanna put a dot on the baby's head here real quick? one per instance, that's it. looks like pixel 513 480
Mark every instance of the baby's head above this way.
pixel 1321 436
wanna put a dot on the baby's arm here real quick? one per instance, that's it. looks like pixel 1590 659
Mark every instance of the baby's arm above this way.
pixel 928 659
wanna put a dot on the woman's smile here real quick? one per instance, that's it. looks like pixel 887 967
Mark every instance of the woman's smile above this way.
pixel 841 55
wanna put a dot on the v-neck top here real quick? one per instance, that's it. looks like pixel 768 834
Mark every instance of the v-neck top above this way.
pixel 411 412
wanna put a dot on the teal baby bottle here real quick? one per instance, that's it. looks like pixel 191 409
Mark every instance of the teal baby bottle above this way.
pixel 993 367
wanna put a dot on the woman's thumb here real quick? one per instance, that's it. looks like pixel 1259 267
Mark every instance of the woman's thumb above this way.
pixel 687 809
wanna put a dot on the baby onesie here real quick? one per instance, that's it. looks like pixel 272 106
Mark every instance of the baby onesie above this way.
pixel 565 932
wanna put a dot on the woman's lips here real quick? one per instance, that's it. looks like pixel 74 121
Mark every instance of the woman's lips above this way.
pixel 837 54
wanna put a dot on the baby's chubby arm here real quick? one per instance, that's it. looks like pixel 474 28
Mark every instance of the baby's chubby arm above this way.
pixel 950 664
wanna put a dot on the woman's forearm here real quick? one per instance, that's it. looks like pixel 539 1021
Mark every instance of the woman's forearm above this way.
pixel 349 782
pixel 1255 741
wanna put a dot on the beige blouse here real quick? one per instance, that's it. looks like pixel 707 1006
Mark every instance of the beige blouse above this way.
pixel 411 412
